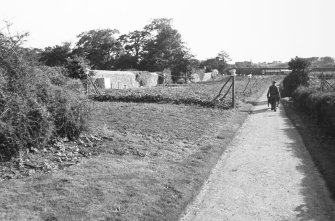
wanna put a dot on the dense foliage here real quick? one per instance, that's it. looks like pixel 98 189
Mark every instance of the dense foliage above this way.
pixel 37 103
pixel 298 76
pixel 158 46
pixel 320 105
pixel 219 63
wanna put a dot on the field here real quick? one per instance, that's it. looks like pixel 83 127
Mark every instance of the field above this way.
pixel 149 161
pixel 200 94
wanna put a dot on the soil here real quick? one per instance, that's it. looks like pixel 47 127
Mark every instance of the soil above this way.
pixel 266 174
pixel 150 163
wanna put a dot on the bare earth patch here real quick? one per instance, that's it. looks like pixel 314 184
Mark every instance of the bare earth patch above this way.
pixel 153 160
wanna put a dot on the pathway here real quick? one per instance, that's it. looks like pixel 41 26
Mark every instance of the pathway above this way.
pixel 266 174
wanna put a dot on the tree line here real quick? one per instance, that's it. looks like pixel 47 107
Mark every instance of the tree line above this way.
pixel 156 47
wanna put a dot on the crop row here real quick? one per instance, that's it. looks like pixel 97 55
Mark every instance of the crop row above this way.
pixel 192 94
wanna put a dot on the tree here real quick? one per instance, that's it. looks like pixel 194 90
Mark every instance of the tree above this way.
pixel 100 47
pixel 223 56
pixel 327 62
pixel 219 62
pixel 57 55
pixel 163 48
pixel 133 43
pixel 77 67
pixel 183 65
pixel 125 61
pixel 298 64
pixel 298 76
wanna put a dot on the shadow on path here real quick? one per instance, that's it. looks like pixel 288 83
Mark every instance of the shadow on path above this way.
pixel 257 103
pixel 256 111
pixel 315 197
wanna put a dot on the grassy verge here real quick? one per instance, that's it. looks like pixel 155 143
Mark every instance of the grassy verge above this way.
pixel 150 164
pixel 319 143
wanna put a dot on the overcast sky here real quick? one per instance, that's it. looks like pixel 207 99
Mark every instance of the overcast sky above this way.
pixel 256 30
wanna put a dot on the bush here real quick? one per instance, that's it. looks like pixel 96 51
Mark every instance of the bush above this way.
pixel 36 103
pixel 319 105
pixel 301 97
pixel 70 112
pixel 292 81
pixel 24 124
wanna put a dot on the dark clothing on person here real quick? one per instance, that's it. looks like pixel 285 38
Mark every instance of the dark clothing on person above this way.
pixel 273 95
pixel 273 91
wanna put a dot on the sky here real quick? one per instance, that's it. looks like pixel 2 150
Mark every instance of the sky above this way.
pixel 248 30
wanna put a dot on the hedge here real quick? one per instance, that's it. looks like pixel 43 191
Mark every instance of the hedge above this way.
pixel 320 105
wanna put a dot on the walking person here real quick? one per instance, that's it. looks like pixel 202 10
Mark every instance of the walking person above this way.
pixel 273 96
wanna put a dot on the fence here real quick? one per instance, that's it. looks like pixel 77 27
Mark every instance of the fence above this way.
pixel 322 81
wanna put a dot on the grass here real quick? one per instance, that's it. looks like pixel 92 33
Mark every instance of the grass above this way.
pixel 151 163
pixel 319 143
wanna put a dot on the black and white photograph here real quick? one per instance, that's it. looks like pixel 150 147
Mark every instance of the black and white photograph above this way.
pixel 157 110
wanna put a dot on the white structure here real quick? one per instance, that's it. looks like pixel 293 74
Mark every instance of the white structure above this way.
pixel 114 79
pixel 207 76
pixel 123 79
pixel 195 78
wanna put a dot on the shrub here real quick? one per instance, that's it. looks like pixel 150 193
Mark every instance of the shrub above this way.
pixel 36 103
pixel 24 124
pixel 319 105
pixel 301 97
pixel 70 112
pixel 77 67
pixel 292 81
pixel 298 76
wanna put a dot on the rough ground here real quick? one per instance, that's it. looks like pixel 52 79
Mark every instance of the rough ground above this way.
pixel 151 163
pixel 266 174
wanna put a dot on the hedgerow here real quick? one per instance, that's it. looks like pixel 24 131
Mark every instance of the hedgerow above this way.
pixel 36 103
pixel 320 105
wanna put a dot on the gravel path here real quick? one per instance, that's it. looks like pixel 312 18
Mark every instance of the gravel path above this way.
pixel 266 174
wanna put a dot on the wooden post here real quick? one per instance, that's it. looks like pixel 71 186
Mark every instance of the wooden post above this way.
pixel 233 92
pixel 322 83
pixel 233 74
pixel 164 76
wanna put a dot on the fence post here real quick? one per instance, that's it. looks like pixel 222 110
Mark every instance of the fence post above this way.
pixel 322 83
pixel 233 74
pixel 164 77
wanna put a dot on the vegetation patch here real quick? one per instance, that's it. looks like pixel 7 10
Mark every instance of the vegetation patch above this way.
pixel 150 161
pixel 36 103
pixel 319 105
pixel 201 94
pixel 317 140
